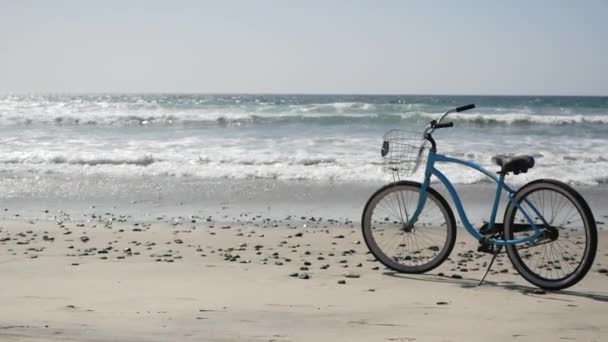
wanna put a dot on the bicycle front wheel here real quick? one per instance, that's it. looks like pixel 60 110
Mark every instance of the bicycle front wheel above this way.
pixel 396 243
pixel 562 256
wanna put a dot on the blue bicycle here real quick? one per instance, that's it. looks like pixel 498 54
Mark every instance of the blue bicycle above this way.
pixel 548 229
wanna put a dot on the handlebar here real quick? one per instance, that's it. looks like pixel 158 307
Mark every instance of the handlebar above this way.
pixel 437 124
pixel 456 110
pixel 445 125
pixel 463 108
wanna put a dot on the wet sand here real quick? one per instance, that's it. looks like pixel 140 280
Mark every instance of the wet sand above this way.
pixel 205 278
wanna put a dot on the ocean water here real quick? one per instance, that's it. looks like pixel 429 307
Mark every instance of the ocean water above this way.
pixel 304 138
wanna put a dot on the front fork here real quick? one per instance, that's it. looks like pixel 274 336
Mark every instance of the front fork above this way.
pixel 421 202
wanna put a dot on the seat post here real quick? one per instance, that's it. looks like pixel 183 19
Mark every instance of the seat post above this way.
pixel 499 186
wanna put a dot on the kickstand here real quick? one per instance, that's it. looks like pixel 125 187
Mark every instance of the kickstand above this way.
pixel 496 251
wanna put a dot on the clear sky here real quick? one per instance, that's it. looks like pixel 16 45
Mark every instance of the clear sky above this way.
pixel 249 46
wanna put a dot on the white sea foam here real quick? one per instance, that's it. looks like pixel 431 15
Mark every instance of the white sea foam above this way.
pixel 350 160
pixel 337 141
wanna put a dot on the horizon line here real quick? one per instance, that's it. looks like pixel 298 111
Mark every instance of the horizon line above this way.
pixel 288 94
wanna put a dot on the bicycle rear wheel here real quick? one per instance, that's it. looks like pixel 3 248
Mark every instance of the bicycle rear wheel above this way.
pixel 565 252
pixel 389 237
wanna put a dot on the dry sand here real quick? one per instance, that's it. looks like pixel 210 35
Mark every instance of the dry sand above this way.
pixel 200 280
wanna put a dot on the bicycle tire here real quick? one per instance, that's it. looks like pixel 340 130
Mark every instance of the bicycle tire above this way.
pixel 559 254
pixel 424 229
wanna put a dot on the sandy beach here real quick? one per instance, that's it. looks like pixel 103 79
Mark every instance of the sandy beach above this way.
pixel 107 277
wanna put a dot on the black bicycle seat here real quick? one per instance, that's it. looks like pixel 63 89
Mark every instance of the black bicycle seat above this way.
pixel 515 164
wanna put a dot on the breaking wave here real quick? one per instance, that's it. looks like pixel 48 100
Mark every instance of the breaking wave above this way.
pixel 235 120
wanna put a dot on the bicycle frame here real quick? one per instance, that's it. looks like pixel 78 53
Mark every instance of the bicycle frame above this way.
pixel 434 157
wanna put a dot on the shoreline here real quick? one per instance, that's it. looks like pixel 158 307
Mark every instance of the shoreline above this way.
pixel 230 200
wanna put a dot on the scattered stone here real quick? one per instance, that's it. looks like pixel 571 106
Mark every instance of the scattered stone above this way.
pixel 442 303
pixel 456 276
pixel 342 282
pixel 304 276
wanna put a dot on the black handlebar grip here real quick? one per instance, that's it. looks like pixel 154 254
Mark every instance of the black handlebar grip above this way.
pixel 467 107
pixel 445 125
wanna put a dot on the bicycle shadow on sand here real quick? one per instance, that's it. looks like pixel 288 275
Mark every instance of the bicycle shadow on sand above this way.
pixel 471 283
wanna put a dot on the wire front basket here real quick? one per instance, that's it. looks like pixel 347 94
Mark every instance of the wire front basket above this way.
pixel 402 152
